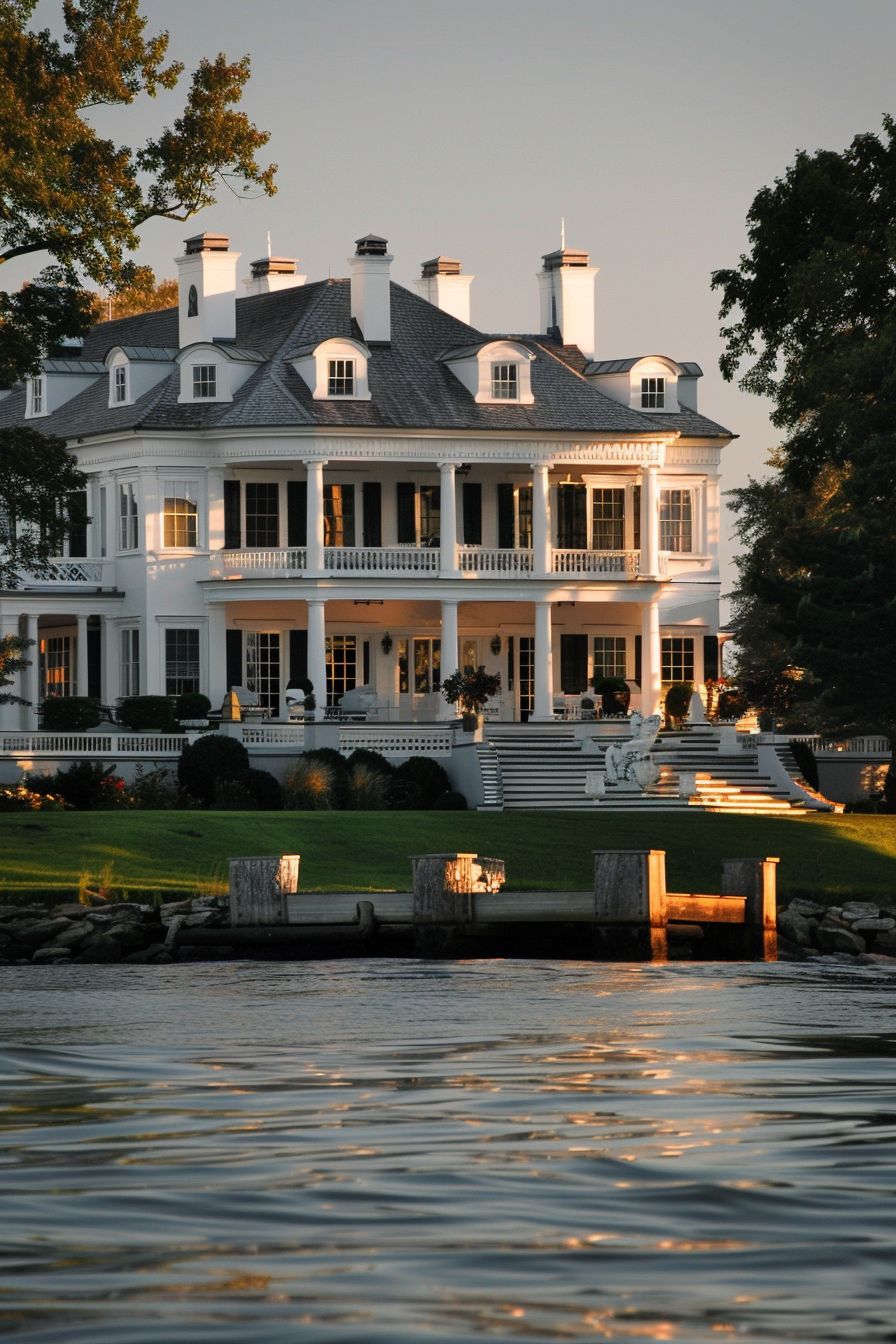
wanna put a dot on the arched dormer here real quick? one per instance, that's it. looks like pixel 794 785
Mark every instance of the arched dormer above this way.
pixel 334 369
pixel 494 373
pixel 134 370
pixel 213 372
pixel 653 384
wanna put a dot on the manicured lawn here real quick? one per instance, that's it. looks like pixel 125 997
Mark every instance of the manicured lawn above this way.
pixel 185 852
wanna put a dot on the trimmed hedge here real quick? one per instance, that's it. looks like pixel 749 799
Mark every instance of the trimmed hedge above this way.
pixel 70 713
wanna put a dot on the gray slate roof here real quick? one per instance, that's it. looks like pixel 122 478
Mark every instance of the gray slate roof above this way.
pixel 410 387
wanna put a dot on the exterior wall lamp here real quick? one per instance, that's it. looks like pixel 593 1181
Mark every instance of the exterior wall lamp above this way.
pixel 386 643
pixel 495 645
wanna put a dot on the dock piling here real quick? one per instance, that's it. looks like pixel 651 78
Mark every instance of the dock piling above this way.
pixel 630 900
pixel 756 880
pixel 259 888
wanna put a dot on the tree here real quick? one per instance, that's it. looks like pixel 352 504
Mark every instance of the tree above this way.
pixel 38 479
pixel 813 304
pixel 12 660
pixel 68 191
pixel 143 294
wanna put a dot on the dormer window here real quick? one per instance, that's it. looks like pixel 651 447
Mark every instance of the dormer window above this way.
pixel 120 384
pixel 38 396
pixel 505 382
pixel 653 394
pixel 340 378
pixel 205 382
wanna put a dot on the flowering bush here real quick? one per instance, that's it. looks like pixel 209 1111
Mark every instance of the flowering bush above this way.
pixel 19 798
pixel 85 785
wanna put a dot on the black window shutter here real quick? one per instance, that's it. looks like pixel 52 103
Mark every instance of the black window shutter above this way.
pixel 298 655
pixel 472 501
pixel 77 523
pixel 296 513
pixel 572 529
pixel 371 496
pixel 638 659
pixel 348 513
pixel 406 519
pixel 94 663
pixel 234 658
pixel 232 534
pixel 710 656
pixel 510 662
pixel 365 655
pixel 506 538
pixel 573 664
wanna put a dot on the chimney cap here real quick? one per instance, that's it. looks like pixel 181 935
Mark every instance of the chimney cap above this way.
pixel 371 246
pixel 441 266
pixel 206 242
pixel 564 256
pixel 273 266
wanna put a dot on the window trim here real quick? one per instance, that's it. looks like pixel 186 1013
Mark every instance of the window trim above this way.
pixel 175 626
pixel 344 376
pixel 37 396
pixel 653 398
pixel 199 375
pixel 175 516
pixel 128 519
pixel 121 383
pixel 505 380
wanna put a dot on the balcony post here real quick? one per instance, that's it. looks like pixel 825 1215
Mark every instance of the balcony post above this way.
pixel 10 714
pixel 31 675
pixel 317 654
pixel 217 654
pixel 650 522
pixel 215 487
pixel 541 519
pixel 447 521
pixel 651 659
pixel 81 657
pixel 449 653
pixel 314 467
pixel 544 666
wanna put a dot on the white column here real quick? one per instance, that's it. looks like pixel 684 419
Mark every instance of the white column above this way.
pixel 81 657
pixel 214 484
pixel 152 673
pixel 314 467
pixel 650 522
pixel 217 654
pixel 317 654
pixel 111 656
pixel 544 664
pixel 651 659
pixel 541 519
pixel 10 715
pixel 447 521
pixel 449 653
pixel 31 675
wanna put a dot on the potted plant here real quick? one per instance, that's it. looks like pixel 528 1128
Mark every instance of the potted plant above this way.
pixel 471 689
pixel 614 696
pixel 678 702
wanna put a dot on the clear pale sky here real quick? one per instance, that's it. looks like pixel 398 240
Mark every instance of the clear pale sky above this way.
pixel 470 128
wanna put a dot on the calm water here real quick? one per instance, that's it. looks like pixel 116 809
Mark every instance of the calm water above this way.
pixel 388 1150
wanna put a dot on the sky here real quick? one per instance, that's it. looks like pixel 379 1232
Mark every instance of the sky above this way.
pixel 470 129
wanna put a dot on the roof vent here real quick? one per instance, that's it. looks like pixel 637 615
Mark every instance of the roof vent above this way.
pixel 273 266
pixel 370 246
pixel 207 242
pixel 566 256
pixel 440 266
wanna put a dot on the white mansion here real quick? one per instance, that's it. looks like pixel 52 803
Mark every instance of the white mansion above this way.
pixel 347 482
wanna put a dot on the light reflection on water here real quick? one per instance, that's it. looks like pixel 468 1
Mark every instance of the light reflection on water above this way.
pixel 382 1150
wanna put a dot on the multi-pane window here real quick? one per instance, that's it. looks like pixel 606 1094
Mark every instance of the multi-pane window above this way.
pixel 181 661
pixel 130 661
pixel 128 529
pixel 524 517
pixel 424 674
pixel 678 658
pixel 572 521
pixel 56 665
pixel 37 396
pixel 430 514
pixel 120 383
pixel 340 378
pixel 469 658
pixel 263 667
pixel 505 382
pixel 205 381
pixel 609 656
pixel 180 514
pixel 676 520
pixel 342 666
pixel 339 515
pixel 653 394
pixel 262 513
pixel 608 519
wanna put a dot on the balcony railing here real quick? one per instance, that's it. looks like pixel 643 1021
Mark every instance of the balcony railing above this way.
pixel 385 561
pixel 62 572
pixel 486 560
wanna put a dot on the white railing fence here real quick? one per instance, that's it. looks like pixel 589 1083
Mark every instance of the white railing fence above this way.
pixel 86 573
pixel 490 560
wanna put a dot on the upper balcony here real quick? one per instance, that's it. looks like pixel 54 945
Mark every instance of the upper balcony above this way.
pixel 391 561
pixel 62 573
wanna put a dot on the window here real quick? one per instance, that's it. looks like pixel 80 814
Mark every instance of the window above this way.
pixel 678 658
pixel 341 378
pixel 427 665
pixel 339 515
pixel 262 514
pixel 469 655
pixel 56 665
pixel 653 394
pixel 430 515
pixel 524 517
pixel 127 516
pixel 342 666
pixel 180 514
pixel 263 667
pixel 205 380
pixel 120 383
pixel 181 661
pixel 37 396
pixel 676 520
pixel 609 656
pixel 505 382
pixel 101 511
pixel 192 302
pixel 608 519
pixel 572 526
pixel 130 661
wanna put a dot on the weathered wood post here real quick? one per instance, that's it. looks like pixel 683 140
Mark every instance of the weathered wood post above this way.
pixel 259 888
pixel 756 880
pixel 630 896
pixel 443 899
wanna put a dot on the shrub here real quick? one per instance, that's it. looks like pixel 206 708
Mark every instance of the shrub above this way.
pixel 139 712
pixel 21 798
pixel 338 766
pixel 310 785
pixel 155 790
pixel 805 762
pixel 192 705
pixel 419 782
pixel 450 801
pixel 732 705
pixel 372 760
pixel 264 790
pixel 89 786
pixel 678 700
pixel 368 789
pixel 214 757
pixel 70 713
pixel 614 695
pixel 232 795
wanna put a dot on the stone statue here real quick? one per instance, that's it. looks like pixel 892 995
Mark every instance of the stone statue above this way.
pixel 629 762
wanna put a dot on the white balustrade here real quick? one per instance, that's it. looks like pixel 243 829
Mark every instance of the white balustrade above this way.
pixel 282 560
pixel 489 560
pixel 614 563
pixel 273 734
pixel 62 571
pixel 381 560
pixel 88 745
pixel 421 740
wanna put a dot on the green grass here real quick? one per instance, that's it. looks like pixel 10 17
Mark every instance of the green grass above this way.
pixel 176 853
